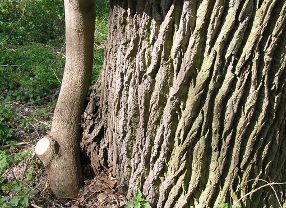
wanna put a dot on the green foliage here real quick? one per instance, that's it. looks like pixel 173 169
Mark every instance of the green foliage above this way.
pixel 5 131
pixel 20 194
pixel 98 59
pixel 7 159
pixel 14 192
pixel 23 21
pixel 101 22
pixel 138 201
pixel 102 9
pixel 30 72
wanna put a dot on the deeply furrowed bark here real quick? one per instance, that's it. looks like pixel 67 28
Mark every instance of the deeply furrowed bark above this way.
pixel 62 158
pixel 190 105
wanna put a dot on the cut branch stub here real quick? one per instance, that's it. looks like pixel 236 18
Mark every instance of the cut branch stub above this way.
pixel 46 149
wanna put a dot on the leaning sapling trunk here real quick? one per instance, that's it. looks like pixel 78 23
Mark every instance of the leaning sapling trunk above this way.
pixel 59 151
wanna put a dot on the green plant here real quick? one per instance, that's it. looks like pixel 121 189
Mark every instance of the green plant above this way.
pixel 138 201
pixel 98 59
pixel 7 159
pixel 30 73
pixel 102 8
pixel 15 193
pixel 101 23
pixel 18 194
pixel 23 21
pixel 5 130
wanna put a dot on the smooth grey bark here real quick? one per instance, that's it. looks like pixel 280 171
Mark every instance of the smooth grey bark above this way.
pixel 62 159
pixel 190 106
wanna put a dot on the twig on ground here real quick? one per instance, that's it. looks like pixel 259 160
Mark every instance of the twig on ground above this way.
pixel 17 144
pixel 35 206
pixel 42 122
pixel 6 65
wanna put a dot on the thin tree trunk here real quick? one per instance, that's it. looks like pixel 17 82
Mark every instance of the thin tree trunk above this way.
pixel 62 159
pixel 190 106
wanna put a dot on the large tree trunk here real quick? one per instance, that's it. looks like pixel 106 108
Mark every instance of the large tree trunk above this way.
pixel 190 106
pixel 60 150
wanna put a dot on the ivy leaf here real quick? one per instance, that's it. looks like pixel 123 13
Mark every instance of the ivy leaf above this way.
pixel 15 201
pixel 25 202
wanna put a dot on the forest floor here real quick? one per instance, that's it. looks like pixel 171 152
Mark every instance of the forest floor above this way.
pixel 24 183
